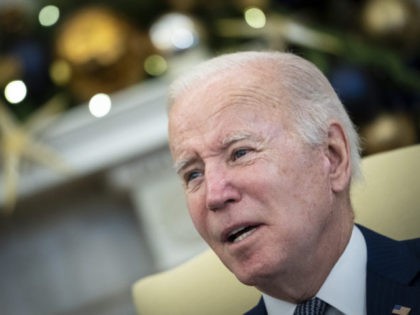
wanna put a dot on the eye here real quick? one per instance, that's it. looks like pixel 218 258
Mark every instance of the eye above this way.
pixel 190 176
pixel 236 154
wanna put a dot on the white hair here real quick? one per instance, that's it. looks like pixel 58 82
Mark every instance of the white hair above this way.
pixel 310 96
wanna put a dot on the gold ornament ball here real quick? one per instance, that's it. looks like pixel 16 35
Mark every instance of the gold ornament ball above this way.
pixel 104 51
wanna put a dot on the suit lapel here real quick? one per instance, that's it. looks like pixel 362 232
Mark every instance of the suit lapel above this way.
pixel 259 309
pixel 392 275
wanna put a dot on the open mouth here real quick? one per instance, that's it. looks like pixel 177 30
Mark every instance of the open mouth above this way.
pixel 241 233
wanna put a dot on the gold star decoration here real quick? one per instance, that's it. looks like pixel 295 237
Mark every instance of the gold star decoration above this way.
pixel 18 142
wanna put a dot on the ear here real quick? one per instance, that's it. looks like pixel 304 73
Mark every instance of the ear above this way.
pixel 338 154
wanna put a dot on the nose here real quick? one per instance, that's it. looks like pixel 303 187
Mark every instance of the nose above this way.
pixel 220 189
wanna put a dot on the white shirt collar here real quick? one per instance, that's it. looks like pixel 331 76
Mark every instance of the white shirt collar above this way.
pixel 345 286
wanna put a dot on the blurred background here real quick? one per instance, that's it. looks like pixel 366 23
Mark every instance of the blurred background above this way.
pixel 88 199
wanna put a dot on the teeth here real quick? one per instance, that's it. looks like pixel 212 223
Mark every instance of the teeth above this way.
pixel 244 235
pixel 240 233
pixel 236 231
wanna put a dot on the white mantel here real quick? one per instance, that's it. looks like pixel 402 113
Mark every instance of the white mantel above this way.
pixel 135 126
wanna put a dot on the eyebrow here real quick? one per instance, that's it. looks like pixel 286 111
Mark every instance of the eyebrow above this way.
pixel 226 142
pixel 179 166
pixel 236 137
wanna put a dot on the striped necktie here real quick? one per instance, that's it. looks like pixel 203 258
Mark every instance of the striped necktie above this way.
pixel 311 307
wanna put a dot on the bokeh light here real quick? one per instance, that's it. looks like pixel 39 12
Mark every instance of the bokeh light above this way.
pixel 155 65
pixel 60 72
pixel 255 17
pixel 384 16
pixel 100 105
pixel 49 15
pixel 174 32
pixel 15 91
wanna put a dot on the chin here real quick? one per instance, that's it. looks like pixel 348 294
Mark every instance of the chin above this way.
pixel 251 273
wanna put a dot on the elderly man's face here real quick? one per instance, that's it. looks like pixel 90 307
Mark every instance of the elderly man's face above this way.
pixel 256 193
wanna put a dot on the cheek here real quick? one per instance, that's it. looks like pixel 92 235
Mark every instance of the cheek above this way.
pixel 197 214
pixel 294 185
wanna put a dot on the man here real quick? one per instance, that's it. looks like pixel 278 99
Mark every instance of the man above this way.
pixel 267 153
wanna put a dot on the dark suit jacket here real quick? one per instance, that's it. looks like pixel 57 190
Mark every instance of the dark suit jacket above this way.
pixel 393 275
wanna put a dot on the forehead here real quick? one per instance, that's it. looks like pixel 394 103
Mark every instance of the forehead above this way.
pixel 213 115
pixel 213 109
pixel 246 101
pixel 227 92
